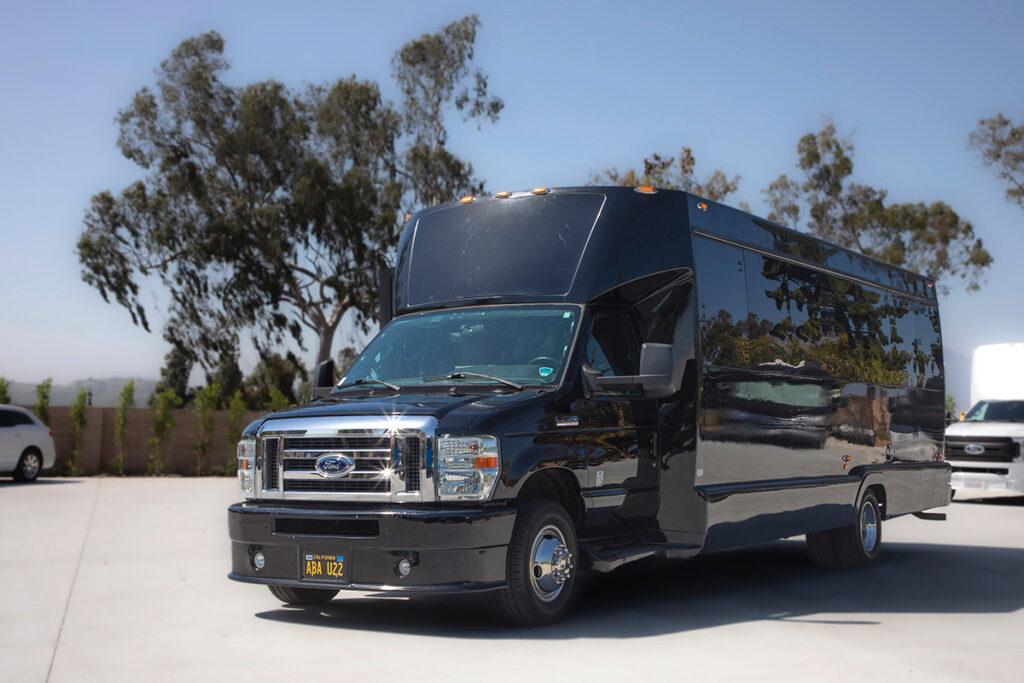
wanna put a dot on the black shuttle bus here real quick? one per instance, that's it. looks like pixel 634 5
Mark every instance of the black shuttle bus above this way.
pixel 574 379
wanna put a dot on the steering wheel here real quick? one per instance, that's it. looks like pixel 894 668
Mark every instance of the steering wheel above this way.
pixel 543 360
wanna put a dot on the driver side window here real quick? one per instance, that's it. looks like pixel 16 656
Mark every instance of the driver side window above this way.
pixel 611 347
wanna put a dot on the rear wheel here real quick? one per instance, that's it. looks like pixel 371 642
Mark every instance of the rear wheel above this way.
pixel 29 466
pixel 303 596
pixel 541 570
pixel 857 545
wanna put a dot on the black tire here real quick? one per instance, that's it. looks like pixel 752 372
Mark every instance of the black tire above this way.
pixel 856 545
pixel 821 549
pixel 303 596
pixel 30 464
pixel 541 592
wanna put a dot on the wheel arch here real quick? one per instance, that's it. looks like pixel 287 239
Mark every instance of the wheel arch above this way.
pixel 874 482
pixel 558 485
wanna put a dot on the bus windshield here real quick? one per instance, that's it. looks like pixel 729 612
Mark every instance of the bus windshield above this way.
pixel 996 411
pixel 526 345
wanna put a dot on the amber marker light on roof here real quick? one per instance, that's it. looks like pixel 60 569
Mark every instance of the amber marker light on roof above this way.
pixel 540 190
pixel 702 206
pixel 503 195
pixel 408 216
pixel 643 189
pixel 467 200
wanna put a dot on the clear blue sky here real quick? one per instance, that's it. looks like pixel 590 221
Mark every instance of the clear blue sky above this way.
pixel 586 85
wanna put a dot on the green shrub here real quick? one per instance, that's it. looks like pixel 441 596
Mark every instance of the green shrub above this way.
pixel 236 413
pixel 125 401
pixel 164 404
pixel 42 405
pixel 78 422
pixel 205 402
pixel 278 401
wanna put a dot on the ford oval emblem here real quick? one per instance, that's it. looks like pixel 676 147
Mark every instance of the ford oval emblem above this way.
pixel 974 449
pixel 333 465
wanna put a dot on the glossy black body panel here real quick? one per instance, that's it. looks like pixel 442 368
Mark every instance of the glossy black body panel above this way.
pixel 805 374
pixel 633 236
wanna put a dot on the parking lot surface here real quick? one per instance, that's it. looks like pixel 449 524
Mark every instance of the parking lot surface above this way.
pixel 125 579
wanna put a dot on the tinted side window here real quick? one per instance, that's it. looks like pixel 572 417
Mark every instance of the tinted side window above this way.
pixel 662 314
pixel 6 418
pixel 768 292
pixel 903 339
pixel 612 347
pixel 723 300
pixel 931 344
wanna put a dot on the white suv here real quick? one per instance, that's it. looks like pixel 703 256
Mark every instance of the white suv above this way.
pixel 26 444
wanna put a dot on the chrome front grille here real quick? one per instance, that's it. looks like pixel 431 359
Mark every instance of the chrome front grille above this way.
pixel 994 449
pixel 392 460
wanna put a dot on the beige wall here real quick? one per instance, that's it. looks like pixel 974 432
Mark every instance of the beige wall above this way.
pixel 99 449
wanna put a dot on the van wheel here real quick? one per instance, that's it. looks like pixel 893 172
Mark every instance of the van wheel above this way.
pixel 857 545
pixel 302 596
pixel 542 565
pixel 29 466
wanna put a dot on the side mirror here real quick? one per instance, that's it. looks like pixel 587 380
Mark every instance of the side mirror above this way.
pixel 950 418
pixel 325 375
pixel 654 381
pixel 385 295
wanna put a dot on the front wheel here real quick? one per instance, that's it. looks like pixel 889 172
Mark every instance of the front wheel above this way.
pixel 542 565
pixel 302 596
pixel 857 545
pixel 29 466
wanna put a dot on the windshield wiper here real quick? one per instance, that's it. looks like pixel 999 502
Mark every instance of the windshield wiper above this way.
pixel 368 380
pixel 465 375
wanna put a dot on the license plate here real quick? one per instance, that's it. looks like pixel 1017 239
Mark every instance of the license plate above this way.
pixel 324 566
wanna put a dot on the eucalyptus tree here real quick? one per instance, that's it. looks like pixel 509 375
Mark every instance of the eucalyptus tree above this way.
pixel 928 238
pixel 269 209
pixel 673 173
pixel 1000 144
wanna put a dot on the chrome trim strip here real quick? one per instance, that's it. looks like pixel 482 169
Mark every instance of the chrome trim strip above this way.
pixel 367 475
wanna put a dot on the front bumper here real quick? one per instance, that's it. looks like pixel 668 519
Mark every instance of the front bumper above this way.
pixel 987 476
pixel 450 550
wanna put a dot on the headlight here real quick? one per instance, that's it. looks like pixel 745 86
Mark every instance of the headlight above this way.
pixel 467 467
pixel 246 467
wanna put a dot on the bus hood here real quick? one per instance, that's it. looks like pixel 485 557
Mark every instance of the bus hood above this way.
pixel 456 412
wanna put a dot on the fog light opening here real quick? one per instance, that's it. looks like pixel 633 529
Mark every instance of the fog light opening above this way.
pixel 259 561
pixel 403 567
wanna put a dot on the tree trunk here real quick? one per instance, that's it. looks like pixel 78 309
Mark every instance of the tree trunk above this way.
pixel 323 352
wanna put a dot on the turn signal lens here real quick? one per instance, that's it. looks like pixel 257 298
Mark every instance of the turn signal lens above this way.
pixel 484 463
pixel 246 461
pixel 643 189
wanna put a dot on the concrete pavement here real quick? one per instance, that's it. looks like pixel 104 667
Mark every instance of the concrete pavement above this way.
pixel 124 579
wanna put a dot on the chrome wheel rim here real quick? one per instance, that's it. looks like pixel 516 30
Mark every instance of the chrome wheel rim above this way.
pixel 868 526
pixel 551 563
pixel 30 465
